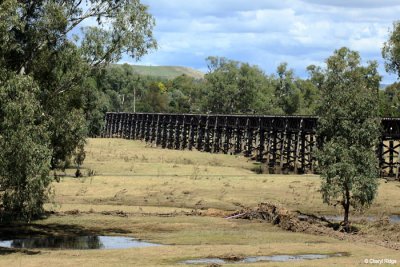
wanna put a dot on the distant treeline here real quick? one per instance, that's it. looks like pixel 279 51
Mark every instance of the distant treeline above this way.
pixel 229 87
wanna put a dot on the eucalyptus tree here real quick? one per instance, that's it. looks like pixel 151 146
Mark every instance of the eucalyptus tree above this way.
pixel 25 154
pixel 56 44
pixel 287 93
pixel 233 86
pixel 390 101
pixel 391 50
pixel 391 53
pixel 349 129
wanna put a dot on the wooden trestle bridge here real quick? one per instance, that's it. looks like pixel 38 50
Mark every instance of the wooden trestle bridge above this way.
pixel 283 143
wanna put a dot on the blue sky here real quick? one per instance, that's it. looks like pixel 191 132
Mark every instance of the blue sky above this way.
pixel 268 32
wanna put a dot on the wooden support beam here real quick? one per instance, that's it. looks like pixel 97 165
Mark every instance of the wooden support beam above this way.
pixel 283 141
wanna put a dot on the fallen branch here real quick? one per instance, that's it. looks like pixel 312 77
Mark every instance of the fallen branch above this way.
pixel 312 216
pixel 236 216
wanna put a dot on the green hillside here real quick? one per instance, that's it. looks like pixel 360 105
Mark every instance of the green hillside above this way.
pixel 167 72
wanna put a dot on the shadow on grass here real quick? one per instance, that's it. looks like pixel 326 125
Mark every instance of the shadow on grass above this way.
pixel 7 251
pixel 24 230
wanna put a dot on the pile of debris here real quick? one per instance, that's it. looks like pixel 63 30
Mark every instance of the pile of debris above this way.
pixel 282 217
pixel 312 224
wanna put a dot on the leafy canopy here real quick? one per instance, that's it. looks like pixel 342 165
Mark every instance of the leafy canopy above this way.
pixel 349 130
pixel 43 56
pixel 232 87
pixel 391 50
pixel 24 154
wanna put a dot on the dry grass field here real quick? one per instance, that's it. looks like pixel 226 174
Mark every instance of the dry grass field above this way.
pixel 179 199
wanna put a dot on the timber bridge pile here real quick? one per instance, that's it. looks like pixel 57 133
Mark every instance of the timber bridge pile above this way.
pixel 283 143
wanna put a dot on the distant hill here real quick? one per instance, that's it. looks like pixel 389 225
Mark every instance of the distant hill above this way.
pixel 166 72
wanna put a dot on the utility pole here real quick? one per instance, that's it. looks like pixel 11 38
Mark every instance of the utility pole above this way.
pixel 134 100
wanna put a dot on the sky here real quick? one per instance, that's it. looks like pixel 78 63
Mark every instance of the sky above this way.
pixel 268 32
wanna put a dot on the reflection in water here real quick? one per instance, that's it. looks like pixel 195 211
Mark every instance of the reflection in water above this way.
pixel 283 258
pixel 77 242
pixel 395 218
pixel 80 242
pixel 273 258
pixel 206 261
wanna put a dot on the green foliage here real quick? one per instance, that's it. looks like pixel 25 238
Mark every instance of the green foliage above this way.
pixel 229 87
pixel 232 86
pixel 155 99
pixel 36 42
pixel 67 132
pixel 128 30
pixel 120 88
pixel 179 102
pixel 391 50
pixel 79 157
pixel 24 154
pixel 185 94
pixel 390 101
pixel 94 104
pixel 349 130
pixel 286 92
pixel 309 96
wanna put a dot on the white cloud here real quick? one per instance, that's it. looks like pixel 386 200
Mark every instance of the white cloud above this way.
pixel 300 32
pixel 355 3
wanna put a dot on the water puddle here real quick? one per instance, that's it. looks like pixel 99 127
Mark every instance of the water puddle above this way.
pixel 273 258
pixel 206 261
pixel 77 242
pixel 283 258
